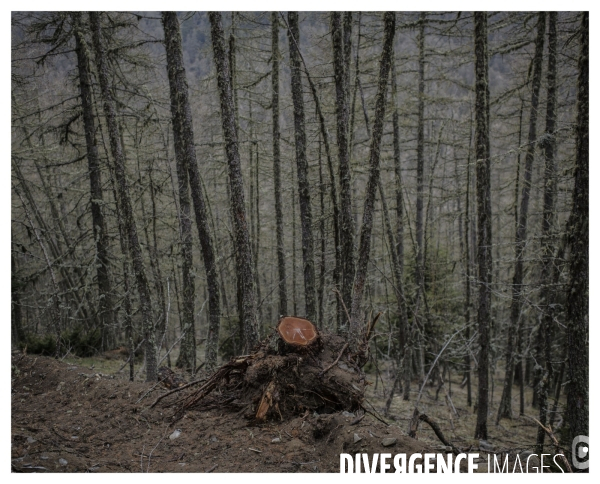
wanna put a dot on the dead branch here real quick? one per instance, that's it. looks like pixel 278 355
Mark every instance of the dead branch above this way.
pixel 548 431
pixel 336 360
pixel 175 390
pixel 434 426
pixel 371 326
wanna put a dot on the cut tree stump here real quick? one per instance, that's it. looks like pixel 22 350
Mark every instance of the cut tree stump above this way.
pixel 297 332
pixel 296 369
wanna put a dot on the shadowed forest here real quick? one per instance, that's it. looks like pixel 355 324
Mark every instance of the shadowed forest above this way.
pixel 414 184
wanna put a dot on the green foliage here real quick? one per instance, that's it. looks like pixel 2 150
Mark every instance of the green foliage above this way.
pixel 39 345
pixel 77 340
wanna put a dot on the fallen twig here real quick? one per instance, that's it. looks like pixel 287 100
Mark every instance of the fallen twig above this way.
pixel 175 390
pixel 434 426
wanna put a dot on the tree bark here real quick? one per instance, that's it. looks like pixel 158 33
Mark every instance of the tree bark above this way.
pixel 96 199
pixel 177 84
pixel 302 169
pixel 484 218
pixel 243 253
pixel 578 238
pixel 282 283
pixel 547 292
pixel 373 181
pixel 346 223
pixel 123 188
pixel 505 408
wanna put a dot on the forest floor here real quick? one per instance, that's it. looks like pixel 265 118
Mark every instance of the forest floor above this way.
pixel 75 417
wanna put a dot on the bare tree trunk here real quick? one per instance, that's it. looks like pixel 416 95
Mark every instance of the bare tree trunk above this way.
pixel 96 202
pixel 321 288
pixel 371 191
pixel 419 263
pixel 123 188
pixel 127 317
pixel 468 269
pixel 177 82
pixel 548 289
pixel 484 218
pixel 243 253
pixel 302 169
pixel 577 300
pixel 505 408
pixel 183 132
pixel 282 283
pixel 333 192
pixel 346 223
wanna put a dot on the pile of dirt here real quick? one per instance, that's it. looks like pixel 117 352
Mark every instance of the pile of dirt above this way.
pixel 66 418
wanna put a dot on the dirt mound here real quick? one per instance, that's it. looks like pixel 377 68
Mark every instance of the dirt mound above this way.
pixel 66 418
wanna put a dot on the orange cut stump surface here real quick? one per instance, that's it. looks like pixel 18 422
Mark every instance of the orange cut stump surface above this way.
pixel 297 331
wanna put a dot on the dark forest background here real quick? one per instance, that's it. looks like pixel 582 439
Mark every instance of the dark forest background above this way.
pixel 180 181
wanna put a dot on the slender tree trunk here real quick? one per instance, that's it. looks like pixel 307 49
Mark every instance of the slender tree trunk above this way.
pixel 346 223
pixel 282 283
pixel 302 169
pixel 127 316
pixel 419 272
pixel 547 295
pixel 243 253
pixel 403 343
pixel 99 226
pixel 321 288
pixel 373 181
pixel 505 408
pixel 577 299
pixel 403 324
pixel 484 219
pixel 468 270
pixel 182 121
pixel 177 83
pixel 123 188
pixel 333 192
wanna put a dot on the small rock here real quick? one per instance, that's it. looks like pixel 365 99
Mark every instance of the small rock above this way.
pixel 59 386
pixel 30 468
pixel 485 446
pixel 62 462
pixel 44 457
pixel 389 441
pixel 31 440
pixel 448 448
pixel 175 434
pixel 347 414
pixel 357 438
pixel 74 437
pixel 214 439
pixel 276 440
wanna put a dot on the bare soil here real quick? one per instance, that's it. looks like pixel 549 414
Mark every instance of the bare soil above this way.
pixel 70 418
